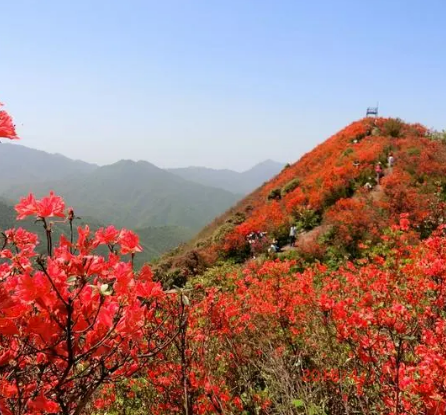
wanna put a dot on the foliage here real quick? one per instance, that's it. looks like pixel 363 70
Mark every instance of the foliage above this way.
pixel 237 219
pixel 307 219
pixel 275 194
pixel 437 135
pixel 338 170
pixel 364 332
pixel 290 186
pixel 222 231
pixel 413 151
pixel 393 127
pixel 154 240
pixel 366 338
pixel 72 320
pixel 156 198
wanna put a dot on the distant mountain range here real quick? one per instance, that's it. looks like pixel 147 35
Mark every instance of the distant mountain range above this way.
pixel 230 180
pixel 19 165
pixel 135 195
pixel 166 207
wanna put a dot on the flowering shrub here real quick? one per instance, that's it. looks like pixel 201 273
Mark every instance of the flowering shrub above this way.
pixel 375 329
pixel 82 332
pixel 7 127
pixel 72 320
pixel 336 172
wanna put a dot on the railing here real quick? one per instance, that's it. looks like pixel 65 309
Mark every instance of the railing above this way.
pixel 372 111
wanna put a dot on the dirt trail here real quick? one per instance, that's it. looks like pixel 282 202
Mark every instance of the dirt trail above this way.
pixel 377 192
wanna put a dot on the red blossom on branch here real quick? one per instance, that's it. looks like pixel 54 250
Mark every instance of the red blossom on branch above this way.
pixel 46 207
pixel 129 242
pixel 7 127
pixel 73 319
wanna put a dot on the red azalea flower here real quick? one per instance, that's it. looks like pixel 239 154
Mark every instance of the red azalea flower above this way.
pixel 7 128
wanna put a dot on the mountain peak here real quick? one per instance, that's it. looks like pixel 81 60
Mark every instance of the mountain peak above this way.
pixel 269 162
pixel 267 165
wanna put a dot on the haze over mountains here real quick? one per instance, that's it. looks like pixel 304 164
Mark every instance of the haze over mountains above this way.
pixel 166 207
pixel 20 164
pixel 230 180
pixel 38 166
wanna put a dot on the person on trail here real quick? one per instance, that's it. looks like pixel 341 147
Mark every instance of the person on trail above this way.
pixel 256 241
pixel 390 160
pixel 368 186
pixel 379 172
pixel 274 248
pixel 293 230
pixel 356 164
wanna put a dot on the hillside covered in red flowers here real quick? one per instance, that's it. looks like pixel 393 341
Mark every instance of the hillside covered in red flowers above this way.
pixel 326 192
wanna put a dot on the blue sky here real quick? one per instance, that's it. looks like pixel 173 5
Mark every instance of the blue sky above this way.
pixel 215 83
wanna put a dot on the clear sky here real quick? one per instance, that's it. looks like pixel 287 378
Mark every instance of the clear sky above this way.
pixel 219 83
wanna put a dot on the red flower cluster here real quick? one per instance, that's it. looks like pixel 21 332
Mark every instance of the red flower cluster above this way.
pixel 376 332
pixel 47 207
pixel 7 127
pixel 74 319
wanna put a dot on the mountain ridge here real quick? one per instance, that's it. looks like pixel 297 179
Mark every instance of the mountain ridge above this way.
pixel 49 167
pixel 36 166
pixel 136 195
pixel 230 180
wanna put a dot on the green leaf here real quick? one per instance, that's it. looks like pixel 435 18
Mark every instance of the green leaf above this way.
pixel 298 403
pixel 72 279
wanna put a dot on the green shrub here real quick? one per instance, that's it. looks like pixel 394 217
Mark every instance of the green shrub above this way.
pixel 175 278
pixel 237 218
pixel 290 186
pixel 275 194
pixel 347 152
pixel 237 255
pixel 307 219
pixel 203 242
pixel 413 151
pixel 342 192
pixel 222 231
pixel 438 135
pixel 281 233
pixel 214 277
pixel 393 127
pixel 366 175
